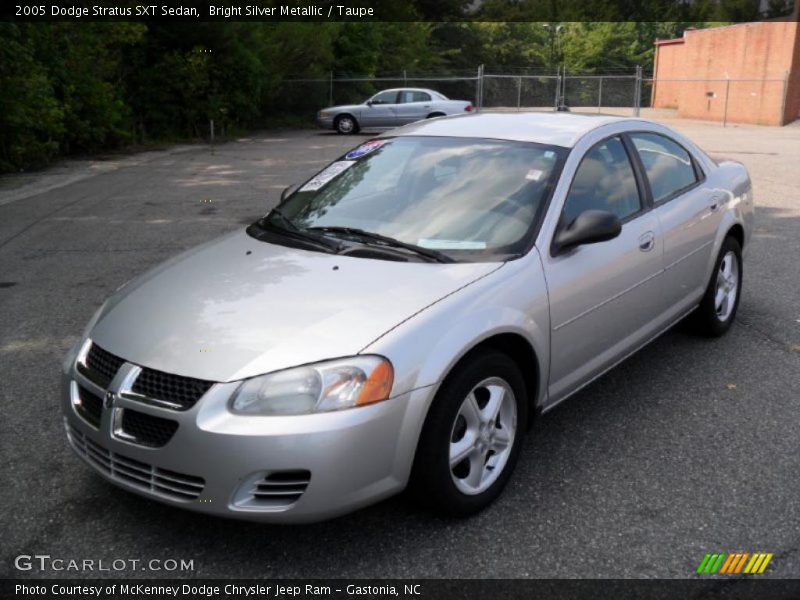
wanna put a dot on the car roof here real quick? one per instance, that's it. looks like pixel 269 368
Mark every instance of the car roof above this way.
pixel 410 89
pixel 553 128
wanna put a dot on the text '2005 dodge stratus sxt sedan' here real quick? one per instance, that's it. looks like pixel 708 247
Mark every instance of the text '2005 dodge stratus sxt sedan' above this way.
pixel 400 317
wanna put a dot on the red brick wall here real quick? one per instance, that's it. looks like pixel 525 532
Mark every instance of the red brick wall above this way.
pixel 793 97
pixel 761 52
pixel 667 65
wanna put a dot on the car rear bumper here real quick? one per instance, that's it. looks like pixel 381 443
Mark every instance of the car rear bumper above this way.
pixel 273 469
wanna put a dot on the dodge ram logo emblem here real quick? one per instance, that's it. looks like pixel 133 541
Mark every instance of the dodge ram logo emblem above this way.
pixel 109 400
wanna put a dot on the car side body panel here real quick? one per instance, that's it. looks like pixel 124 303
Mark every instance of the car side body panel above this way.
pixel 630 310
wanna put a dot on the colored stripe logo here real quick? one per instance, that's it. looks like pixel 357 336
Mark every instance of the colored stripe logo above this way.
pixel 732 564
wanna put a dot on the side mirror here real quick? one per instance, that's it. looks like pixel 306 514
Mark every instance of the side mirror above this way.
pixel 288 191
pixel 369 102
pixel 589 227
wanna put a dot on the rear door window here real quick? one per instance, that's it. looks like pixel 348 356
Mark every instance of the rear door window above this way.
pixel 668 165
pixel 408 96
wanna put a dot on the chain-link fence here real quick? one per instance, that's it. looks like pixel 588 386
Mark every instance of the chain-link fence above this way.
pixel 724 100
pixel 727 100
pixel 520 92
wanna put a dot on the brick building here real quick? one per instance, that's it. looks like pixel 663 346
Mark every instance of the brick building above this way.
pixel 744 73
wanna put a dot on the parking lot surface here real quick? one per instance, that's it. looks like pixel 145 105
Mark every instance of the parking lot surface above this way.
pixel 691 446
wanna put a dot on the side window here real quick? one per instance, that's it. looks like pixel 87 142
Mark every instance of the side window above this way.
pixel 604 181
pixel 385 98
pixel 420 97
pixel 407 96
pixel 668 165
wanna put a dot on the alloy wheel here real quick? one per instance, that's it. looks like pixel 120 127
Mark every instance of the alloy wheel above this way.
pixel 727 286
pixel 482 436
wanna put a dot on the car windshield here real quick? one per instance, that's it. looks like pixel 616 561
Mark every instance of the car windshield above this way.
pixel 470 199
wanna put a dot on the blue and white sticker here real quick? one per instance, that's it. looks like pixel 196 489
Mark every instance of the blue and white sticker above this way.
pixel 364 149
pixel 326 175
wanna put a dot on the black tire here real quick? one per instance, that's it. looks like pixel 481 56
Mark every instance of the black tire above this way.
pixel 346 124
pixel 434 115
pixel 432 482
pixel 706 319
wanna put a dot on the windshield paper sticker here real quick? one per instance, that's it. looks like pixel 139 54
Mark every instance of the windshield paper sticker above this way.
pixel 327 174
pixel 364 149
pixel 452 244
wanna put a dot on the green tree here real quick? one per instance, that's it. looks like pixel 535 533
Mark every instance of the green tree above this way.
pixel 31 118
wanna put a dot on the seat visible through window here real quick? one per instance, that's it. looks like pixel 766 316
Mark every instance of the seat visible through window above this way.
pixel 604 181
pixel 667 164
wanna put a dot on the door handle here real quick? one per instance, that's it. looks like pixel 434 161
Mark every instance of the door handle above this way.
pixel 647 241
pixel 716 202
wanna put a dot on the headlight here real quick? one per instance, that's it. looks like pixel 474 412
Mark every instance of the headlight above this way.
pixel 323 114
pixel 321 387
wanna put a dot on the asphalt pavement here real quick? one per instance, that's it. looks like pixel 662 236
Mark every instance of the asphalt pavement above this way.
pixel 691 446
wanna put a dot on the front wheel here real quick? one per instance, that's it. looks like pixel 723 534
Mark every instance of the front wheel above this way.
pixel 472 436
pixel 718 307
pixel 346 125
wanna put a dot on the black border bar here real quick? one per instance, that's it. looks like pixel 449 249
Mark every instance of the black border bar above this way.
pixel 711 588
pixel 734 11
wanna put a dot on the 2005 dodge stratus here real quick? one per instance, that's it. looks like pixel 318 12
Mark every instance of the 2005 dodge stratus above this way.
pixel 399 319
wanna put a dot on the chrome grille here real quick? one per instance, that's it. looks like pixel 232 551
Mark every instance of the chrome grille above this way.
pixel 145 429
pixel 89 406
pixel 100 365
pixel 181 392
pixel 177 486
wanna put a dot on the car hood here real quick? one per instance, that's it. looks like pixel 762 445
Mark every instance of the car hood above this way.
pixel 344 107
pixel 237 307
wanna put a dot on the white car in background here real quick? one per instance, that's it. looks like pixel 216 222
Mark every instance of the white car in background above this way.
pixel 391 108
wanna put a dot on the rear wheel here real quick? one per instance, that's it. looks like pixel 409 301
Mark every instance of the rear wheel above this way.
pixel 718 308
pixel 345 124
pixel 434 115
pixel 472 436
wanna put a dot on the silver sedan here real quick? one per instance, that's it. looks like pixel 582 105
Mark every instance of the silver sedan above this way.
pixel 402 316
pixel 390 108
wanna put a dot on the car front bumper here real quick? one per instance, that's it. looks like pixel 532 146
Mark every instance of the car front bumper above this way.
pixel 273 469
pixel 325 122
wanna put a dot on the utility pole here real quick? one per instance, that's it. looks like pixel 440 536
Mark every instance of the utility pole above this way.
pixel 600 93
pixel 558 87
pixel 479 88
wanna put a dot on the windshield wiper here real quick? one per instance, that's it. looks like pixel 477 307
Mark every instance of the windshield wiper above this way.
pixel 384 240
pixel 289 228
